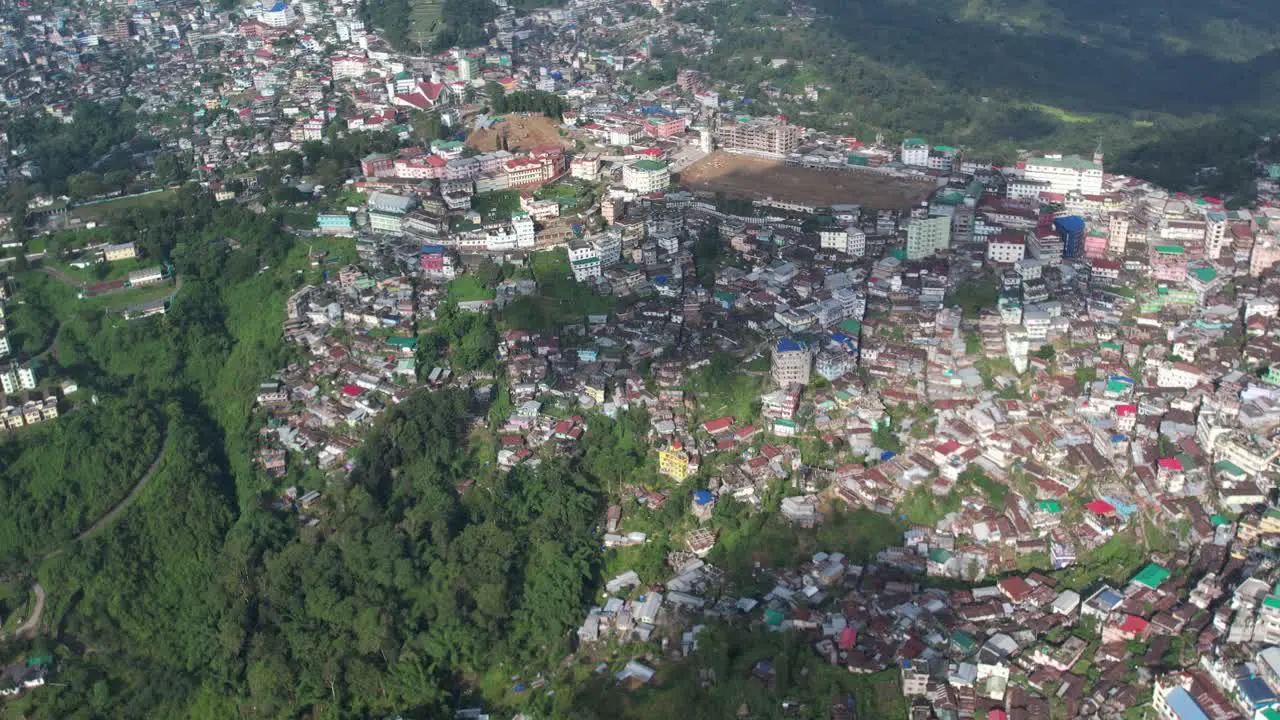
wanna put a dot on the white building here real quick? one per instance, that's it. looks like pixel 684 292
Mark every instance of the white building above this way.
pixel 1067 174
pixel 1117 232
pixel 1179 375
pixel 850 241
pixel 646 176
pixel 522 224
pixel 1026 188
pixel 586 167
pixel 1006 248
pixel 927 236
pixel 608 247
pixel 278 15
pixel 584 260
pixel 915 152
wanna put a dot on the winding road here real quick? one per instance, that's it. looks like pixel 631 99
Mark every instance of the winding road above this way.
pixel 28 628
pixel 124 504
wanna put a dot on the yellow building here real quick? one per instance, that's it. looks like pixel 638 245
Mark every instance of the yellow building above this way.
pixel 674 461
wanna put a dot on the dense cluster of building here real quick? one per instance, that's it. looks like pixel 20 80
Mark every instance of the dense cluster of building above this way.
pixel 1036 365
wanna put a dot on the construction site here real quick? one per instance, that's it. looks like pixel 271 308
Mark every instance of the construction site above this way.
pixel 756 178
pixel 521 131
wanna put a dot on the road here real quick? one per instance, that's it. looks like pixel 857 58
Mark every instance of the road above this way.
pixel 124 504
pixel 28 628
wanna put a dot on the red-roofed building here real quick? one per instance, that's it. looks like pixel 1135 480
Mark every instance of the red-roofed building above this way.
pixel 1101 507
pixel 1015 588
pixel 352 390
pixel 719 425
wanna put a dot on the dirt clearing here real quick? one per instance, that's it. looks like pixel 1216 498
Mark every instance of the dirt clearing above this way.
pixel 523 131
pixel 760 179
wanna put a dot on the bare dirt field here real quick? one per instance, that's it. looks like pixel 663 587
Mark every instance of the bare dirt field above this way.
pixel 759 179
pixel 524 131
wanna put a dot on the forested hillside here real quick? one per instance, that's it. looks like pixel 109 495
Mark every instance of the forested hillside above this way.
pixel 1181 89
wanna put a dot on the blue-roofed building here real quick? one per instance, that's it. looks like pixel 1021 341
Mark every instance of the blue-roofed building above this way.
pixel 791 362
pixel 1071 230
pixel 704 503
pixel 1256 693
pixel 1178 705
pixel 278 15
pixel 1101 603
pixel 335 223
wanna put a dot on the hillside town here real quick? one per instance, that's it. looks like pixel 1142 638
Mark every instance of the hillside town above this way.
pixel 1059 386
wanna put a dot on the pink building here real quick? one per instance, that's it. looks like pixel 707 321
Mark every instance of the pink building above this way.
pixel 1266 252
pixel 1169 263
pixel 664 126
pixel 1095 244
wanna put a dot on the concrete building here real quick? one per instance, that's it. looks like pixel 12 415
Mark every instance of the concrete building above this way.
pixel 646 176
pixel 767 136
pixel 915 152
pixel 791 363
pixel 927 236
pixel 1118 232
pixel 1006 248
pixel 1066 174
pixel 584 260
pixel 120 251
pixel 850 241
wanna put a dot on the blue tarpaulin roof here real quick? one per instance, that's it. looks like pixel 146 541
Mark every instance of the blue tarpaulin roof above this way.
pixel 702 497
pixel 1184 706
pixel 788 345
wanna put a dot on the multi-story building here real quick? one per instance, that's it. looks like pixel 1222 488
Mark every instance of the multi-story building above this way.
pixel 850 241
pixel 1265 253
pixel 1067 174
pixel 664 127
pixel 768 136
pixel 1071 230
pixel 584 260
pixel 1026 188
pixel 915 152
pixel 646 176
pixel 1118 232
pixel 1046 246
pixel 673 461
pixel 1168 263
pixel 1006 248
pixel 927 236
pixel 608 248
pixel 1215 234
pixel 586 167
pixel 17 377
pixel 278 15
pixel 791 362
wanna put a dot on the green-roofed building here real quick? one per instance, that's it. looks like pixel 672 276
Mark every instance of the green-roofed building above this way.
pixel 1205 274
pixel 407 344
pixel 1118 386
pixel 850 327
pixel 1227 467
pixel 1050 506
pixel 939 555
pixel 1170 249
pixel 773 617
pixel 1152 576
pixel 963 642
pixel 1219 520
